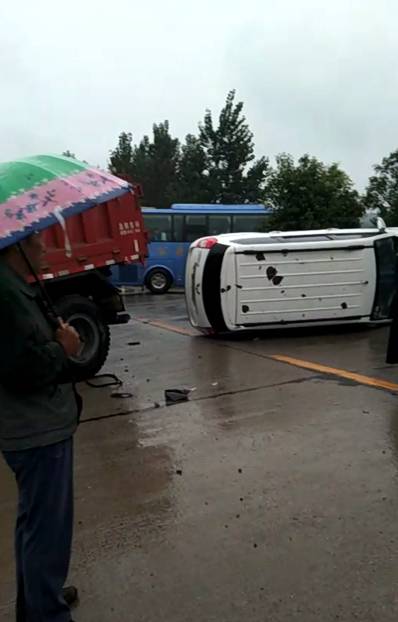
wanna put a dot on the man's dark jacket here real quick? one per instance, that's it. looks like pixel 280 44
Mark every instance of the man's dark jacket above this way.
pixel 37 401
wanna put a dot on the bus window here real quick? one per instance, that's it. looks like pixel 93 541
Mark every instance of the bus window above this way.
pixel 195 227
pixel 178 227
pixel 250 223
pixel 159 227
pixel 219 223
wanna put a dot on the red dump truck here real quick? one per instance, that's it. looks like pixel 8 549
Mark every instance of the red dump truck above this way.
pixel 77 279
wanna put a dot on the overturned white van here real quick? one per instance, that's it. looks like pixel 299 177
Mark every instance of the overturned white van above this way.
pixel 256 281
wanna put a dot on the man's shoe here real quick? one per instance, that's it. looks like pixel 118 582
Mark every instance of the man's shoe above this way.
pixel 71 595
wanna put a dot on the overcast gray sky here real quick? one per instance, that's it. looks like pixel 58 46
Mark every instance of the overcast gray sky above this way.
pixel 316 76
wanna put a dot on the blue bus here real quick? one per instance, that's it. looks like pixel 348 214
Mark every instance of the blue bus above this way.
pixel 171 232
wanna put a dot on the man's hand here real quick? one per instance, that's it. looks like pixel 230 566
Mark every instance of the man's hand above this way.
pixel 69 339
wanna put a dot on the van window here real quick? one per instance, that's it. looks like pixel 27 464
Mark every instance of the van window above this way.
pixel 257 241
pixel 386 264
pixel 351 236
pixel 305 238
pixel 159 227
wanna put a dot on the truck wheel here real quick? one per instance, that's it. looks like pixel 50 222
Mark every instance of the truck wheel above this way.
pixel 84 316
pixel 158 281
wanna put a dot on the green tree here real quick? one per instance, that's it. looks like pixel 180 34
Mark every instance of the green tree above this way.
pixel 229 152
pixel 155 163
pixel 192 179
pixel 121 158
pixel 382 191
pixel 311 195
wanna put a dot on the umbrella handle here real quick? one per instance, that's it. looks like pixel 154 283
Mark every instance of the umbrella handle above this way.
pixel 50 309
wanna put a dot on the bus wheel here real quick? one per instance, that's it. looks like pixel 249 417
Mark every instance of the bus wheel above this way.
pixel 158 281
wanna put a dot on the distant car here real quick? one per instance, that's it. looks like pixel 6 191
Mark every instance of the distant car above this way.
pixel 267 280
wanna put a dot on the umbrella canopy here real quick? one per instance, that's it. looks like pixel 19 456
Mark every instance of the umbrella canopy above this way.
pixel 39 191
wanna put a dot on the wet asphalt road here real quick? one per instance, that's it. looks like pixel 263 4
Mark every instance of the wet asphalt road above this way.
pixel 271 495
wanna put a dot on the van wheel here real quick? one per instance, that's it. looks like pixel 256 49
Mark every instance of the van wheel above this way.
pixel 84 316
pixel 158 281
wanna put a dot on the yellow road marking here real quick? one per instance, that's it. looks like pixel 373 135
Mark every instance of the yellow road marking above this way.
pixel 169 327
pixel 342 373
pixel 377 383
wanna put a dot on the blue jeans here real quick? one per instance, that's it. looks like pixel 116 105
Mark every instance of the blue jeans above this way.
pixel 43 534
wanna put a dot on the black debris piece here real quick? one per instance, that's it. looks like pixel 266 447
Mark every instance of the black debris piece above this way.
pixel 104 380
pixel 134 343
pixel 271 273
pixel 174 396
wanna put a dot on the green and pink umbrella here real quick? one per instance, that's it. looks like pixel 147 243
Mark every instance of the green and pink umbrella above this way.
pixel 43 190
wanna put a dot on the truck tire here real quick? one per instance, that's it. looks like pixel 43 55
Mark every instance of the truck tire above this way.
pixel 84 316
pixel 158 281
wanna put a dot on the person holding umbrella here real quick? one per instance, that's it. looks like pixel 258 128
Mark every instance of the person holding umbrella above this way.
pixel 39 406
pixel 38 417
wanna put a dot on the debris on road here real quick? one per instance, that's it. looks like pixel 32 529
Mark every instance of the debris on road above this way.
pixel 102 381
pixel 174 396
pixel 134 343
pixel 122 396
